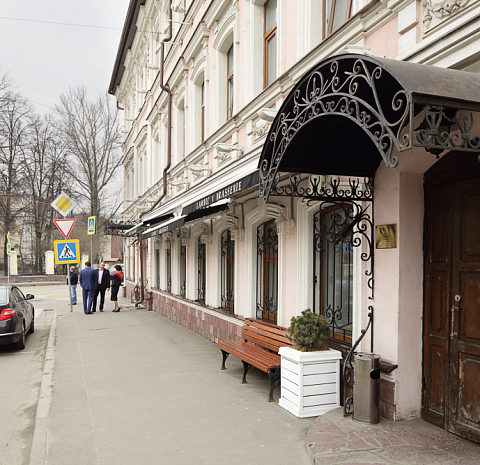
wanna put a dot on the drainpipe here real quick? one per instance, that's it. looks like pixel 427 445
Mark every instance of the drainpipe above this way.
pixel 166 88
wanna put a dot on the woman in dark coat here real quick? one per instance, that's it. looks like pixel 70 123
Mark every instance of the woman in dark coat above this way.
pixel 117 278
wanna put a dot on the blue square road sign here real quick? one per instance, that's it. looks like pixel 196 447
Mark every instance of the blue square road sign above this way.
pixel 66 251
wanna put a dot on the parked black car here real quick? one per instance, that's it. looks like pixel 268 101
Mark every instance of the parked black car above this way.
pixel 17 316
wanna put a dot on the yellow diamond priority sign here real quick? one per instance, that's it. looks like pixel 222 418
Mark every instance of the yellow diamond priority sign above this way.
pixel 63 204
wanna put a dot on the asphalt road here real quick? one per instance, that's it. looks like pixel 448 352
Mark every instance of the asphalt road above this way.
pixel 20 376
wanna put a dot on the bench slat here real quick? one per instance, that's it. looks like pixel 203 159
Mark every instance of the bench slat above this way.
pixel 252 355
pixel 266 326
pixel 264 336
pixel 259 348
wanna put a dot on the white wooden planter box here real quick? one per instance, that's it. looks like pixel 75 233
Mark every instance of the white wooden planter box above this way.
pixel 310 381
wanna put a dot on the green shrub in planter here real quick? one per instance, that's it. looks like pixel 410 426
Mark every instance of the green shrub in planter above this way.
pixel 308 331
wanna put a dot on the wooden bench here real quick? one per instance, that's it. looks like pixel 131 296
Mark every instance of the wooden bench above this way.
pixel 259 349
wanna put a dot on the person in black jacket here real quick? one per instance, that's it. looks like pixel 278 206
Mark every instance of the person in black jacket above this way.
pixel 73 284
pixel 102 279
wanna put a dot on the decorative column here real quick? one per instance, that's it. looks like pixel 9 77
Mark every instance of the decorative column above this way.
pixel 281 223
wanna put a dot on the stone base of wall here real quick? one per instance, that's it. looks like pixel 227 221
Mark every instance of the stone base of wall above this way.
pixel 211 325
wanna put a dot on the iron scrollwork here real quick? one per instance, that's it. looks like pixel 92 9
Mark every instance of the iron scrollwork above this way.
pixel 324 187
pixel 227 270
pixel 328 91
pixel 267 252
pixel 339 227
pixel 434 132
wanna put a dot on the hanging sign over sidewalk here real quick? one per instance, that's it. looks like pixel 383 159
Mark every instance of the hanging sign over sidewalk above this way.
pixel 65 226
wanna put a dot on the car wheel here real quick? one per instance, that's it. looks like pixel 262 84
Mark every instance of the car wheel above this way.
pixel 20 345
pixel 32 326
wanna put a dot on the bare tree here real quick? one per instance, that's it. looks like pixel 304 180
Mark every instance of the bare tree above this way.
pixel 92 133
pixel 15 124
pixel 45 169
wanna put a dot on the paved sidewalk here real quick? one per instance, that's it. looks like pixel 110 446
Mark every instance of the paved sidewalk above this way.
pixel 333 439
pixel 136 388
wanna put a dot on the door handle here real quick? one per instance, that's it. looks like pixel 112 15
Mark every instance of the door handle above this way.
pixel 453 334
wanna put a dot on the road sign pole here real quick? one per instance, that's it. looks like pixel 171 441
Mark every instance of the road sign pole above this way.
pixel 69 287
pixel 8 269
pixel 91 249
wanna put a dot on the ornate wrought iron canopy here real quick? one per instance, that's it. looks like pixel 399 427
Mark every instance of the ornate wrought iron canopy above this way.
pixel 350 112
pixel 117 229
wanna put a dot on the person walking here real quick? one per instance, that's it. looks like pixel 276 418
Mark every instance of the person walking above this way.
pixel 88 283
pixel 102 278
pixel 73 284
pixel 117 279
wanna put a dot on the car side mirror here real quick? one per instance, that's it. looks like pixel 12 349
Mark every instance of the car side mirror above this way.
pixel 29 296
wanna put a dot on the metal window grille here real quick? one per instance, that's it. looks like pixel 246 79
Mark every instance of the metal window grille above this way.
pixel 267 271
pixel 201 257
pixel 228 270
pixel 158 267
pixel 333 268
pixel 169 266
pixel 183 270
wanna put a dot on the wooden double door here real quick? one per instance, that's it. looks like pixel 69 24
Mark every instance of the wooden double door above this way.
pixel 451 366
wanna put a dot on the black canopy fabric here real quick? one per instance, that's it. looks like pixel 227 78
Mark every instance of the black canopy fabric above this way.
pixel 350 112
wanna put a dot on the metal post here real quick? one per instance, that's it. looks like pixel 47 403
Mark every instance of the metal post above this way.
pixel 69 286
pixel 91 249
pixel 8 269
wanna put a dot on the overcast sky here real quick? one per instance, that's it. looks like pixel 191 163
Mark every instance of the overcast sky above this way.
pixel 48 46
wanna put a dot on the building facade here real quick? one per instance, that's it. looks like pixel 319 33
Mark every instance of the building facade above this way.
pixel 290 154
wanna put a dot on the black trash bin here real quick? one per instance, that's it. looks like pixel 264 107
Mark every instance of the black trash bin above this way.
pixel 366 388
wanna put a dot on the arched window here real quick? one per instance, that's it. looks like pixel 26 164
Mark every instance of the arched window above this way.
pixel 227 270
pixel 183 269
pixel 333 269
pixel 168 270
pixel 267 271
pixel 202 262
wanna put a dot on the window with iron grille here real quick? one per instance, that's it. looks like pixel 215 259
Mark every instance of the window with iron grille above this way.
pixel 227 270
pixel 183 270
pixel 333 268
pixel 157 262
pixel 267 271
pixel 168 270
pixel 202 260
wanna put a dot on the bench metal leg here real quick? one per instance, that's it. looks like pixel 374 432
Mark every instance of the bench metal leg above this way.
pixel 246 367
pixel 225 356
pixel 274 379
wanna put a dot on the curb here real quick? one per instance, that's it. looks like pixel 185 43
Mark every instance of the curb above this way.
pixel 39 442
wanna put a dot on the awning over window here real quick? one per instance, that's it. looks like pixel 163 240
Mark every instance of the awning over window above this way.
pixel 350 112
pixel 167 226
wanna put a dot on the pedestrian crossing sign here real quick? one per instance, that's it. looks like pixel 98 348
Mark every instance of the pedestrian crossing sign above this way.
pixel 91 225
pixel 66 251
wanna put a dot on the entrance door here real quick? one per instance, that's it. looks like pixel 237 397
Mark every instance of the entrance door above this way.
pixel 451 397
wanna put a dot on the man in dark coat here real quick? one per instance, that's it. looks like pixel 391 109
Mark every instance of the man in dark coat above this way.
pixel 88 283
pixel 102 279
